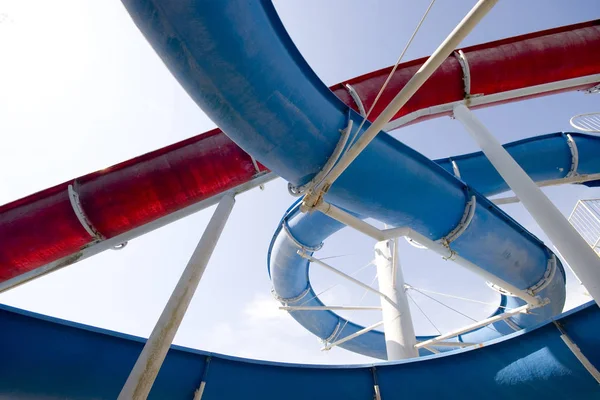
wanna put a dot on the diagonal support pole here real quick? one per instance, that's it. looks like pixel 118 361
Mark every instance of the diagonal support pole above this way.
pixel 398 328
pixel 581 257
pixel 142 376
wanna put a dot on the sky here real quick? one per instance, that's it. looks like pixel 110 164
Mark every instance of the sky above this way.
pixel 81 89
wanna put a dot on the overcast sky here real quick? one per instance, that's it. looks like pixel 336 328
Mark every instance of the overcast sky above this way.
pixel 80 90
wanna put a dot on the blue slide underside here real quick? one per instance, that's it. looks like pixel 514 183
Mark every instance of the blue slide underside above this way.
pixel 237 62
pixel 50 359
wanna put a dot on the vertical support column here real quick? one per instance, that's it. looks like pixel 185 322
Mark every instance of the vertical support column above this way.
pixel 399 332
pixel 146 368
pixel 583 260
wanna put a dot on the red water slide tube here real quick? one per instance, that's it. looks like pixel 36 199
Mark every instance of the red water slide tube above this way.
pixel 43 232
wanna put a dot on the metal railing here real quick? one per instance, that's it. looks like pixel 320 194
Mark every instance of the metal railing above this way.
pixel 585 218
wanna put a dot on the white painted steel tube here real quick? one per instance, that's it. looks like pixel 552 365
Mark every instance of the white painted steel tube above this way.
pixel 140 380
pixel 468 328
pixel 350 220
pixel 553 182
pixel 447 253
pixel 578 353
pixel 583 260
pixel 370 230
pixel 398 327
pixel 427 69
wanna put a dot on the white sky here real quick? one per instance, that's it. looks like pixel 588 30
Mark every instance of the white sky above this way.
pixel 80 89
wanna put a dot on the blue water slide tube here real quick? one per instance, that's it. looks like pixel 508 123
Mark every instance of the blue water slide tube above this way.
pixel 237 62
pixel 545 157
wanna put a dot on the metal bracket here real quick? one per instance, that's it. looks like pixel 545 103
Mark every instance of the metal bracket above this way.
pixel 574 156
pixel 592 90
pixel 464 223
pixel 320 176
pixel 354 94
pixel 81 215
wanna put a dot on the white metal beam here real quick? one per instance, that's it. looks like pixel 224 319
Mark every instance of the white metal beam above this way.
pixel 578 353
pixel 144 372
pixel 468 328
pixel 352 336
pixel 583 260
pixel 427 69
pixel 368 229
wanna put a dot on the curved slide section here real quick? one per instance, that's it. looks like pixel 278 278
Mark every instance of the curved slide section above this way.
pixel 239 64
pixel 48 358
pixel 290 273
pixel 551 157
pixel 129 199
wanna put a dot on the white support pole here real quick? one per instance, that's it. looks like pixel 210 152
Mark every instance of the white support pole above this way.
pixel 146 368
pixel 583 260
pixel 444 50
pixel 377 234
pixel 400 339
pixel 468 328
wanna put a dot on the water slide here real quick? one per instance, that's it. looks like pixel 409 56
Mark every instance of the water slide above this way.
pixel 134 197
pixel 290 122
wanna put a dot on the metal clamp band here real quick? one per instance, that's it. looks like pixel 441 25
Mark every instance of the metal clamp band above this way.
pixel 290 299
pixel 547 278
pixel 302 246
pixel 464 223
pixel 337 153
pixel 537 287
pixel 354 94
pixel 333 335
pixel 464 64
pixel 81 215
pixel 574 156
